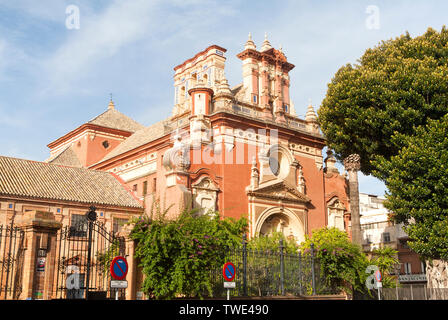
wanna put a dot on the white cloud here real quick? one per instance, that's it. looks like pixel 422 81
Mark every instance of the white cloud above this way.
pixel 48 10
pixel 122 24
pixel 11 57
pixel 100 36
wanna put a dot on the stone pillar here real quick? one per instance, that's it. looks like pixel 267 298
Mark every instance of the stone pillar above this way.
pixel 41 230
pixel 352 165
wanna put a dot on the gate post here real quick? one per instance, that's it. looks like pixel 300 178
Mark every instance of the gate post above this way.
pixel 40 240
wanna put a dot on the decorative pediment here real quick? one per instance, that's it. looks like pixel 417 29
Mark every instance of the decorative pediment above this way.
pixel 279 190
pixel 205 183
pixel 205 195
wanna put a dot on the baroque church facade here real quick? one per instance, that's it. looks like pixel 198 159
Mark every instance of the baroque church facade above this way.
pixel 241 151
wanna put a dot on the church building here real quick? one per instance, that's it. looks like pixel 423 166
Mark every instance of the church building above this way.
pixel 241 150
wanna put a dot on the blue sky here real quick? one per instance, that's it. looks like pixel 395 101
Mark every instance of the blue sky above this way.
pixel 53 79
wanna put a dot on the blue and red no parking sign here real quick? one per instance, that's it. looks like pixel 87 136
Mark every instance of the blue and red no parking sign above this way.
pixel 119 268
pixel 378 276
pixel 228 271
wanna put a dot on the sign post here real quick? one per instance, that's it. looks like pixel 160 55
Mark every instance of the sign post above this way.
pixel 118 271
pixel 378 278
pixel 228 272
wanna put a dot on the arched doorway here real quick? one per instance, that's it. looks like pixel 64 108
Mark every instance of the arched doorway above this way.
pixel 277 219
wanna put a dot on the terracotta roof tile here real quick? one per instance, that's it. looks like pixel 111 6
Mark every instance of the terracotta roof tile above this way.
pixel 26 178
pixel 112 118
pixel 139 138
pixel 66 157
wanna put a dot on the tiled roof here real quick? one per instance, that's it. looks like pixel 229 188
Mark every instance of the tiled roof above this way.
pixel 112 118
pixel 40 180
pixel 66 157
pixel 139 138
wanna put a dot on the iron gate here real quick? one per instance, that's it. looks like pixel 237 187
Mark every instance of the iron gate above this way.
pixel 11 261
pixel 83 253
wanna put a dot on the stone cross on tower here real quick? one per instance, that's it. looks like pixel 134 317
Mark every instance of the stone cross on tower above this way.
pixel 352 164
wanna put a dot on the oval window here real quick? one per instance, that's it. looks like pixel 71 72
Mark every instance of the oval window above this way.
pixel 274 165
pixel 278 163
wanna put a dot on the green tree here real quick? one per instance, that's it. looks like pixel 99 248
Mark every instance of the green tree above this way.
pixel 342 262
pixel 175 253
pixel 386 259
pixel 391 109
pixel 395 87
pixel 417 179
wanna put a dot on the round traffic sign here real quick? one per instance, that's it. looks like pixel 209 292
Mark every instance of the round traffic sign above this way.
pixel 119 268
pixel 228 271
pixel 378 276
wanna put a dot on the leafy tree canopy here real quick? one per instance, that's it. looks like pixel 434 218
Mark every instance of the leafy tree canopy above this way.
pixel 342 262
pixel 394 88
pixel 417 179
pixel 176 255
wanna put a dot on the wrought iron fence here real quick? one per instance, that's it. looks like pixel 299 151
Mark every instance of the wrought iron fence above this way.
pixel 80 262
pixel 11 261
pixel 83 254
pixel 271 273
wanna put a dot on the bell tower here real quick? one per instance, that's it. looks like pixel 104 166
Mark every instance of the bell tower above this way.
pixel 198 78
pixel 266 79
